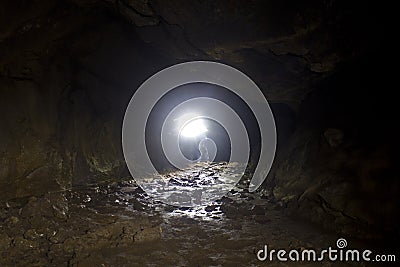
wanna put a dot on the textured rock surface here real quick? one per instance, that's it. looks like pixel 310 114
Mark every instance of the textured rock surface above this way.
pixel 68 69
pixel 102 227
pixel 338 167
pixel 67 227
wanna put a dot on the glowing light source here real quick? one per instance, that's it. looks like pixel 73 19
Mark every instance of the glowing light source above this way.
pixel 194 128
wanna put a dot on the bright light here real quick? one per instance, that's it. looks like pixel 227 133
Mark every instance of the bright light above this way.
pixel 194 128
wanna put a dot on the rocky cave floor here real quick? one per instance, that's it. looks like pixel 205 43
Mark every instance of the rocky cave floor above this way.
pixel 117 224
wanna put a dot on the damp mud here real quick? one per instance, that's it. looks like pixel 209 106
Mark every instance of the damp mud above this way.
pixel 118 224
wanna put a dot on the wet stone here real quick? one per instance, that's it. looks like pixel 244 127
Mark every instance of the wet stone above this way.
pixel 258 210
pixel 137 205
pixel 225 199
pixel 119 225
pixel 211 208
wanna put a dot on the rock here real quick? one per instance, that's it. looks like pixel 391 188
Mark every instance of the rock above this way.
pixel 65 117
pixel 148 234
pixel 59 205
pixel 337 188
pixel 64 98
pixel 211 208
pixel 258 210
pixel 31 234
pixel 5 242
pixel 236 210
pixel 12 220
pixel 334 137
pixel 137 205
pixel 262 219
pixel 24 244
pixel 37 207
pixel 225 199
pixel 69 245
pixel 138 12
pixel 57 237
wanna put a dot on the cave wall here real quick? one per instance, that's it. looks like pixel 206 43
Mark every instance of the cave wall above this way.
pixel 67 73
pixel 69 68
pixel 338 167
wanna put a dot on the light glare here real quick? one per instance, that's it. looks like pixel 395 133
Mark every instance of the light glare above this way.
pixel 194 129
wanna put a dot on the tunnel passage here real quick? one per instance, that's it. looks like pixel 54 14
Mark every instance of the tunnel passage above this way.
pixel 67 72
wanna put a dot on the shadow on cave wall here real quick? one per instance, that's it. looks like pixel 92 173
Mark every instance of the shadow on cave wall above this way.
pixel 338 167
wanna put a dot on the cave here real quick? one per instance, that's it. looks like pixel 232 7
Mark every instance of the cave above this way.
pixel 69 69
